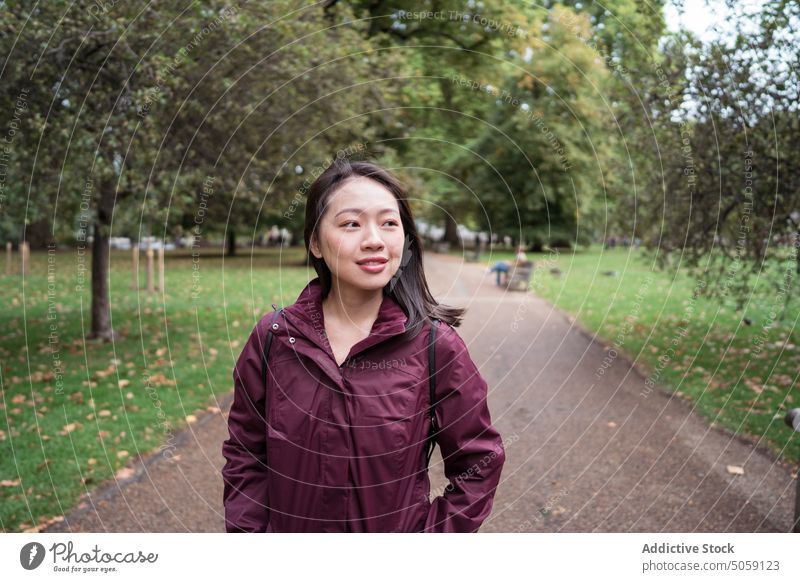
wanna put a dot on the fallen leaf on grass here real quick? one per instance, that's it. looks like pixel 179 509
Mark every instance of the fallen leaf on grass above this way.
pixel 107 372
pixel 190 418
pixel 735 470
pixel 70 427
pixel 9 483
pixel 161 380
pixel 41 376
pixel 754 386
pixel 44 523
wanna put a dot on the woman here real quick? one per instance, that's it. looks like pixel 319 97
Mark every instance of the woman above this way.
pixel 506 266
pixel 335 440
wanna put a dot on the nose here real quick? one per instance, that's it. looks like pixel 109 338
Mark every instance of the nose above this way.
pixel 372 238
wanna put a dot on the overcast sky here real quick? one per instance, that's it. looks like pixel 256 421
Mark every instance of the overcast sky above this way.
pixel 699 16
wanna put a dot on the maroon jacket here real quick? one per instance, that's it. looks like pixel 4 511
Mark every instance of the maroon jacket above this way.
pixel 328 448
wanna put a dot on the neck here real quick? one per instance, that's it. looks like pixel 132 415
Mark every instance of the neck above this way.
pixel 352 306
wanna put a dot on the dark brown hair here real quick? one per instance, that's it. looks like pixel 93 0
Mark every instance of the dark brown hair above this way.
pixel 408 287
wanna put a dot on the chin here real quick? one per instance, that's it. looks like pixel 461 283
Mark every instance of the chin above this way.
pixel 373 283
pixel 370 282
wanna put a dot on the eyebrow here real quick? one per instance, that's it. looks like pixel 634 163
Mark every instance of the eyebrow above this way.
pixel 361 210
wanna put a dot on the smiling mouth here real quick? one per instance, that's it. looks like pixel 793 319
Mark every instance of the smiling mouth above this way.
pixel 373 266
pixel 374 261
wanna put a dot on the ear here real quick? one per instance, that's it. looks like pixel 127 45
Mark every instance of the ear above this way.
pixel 314 248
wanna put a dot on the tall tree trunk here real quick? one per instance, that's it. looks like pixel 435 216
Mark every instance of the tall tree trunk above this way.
pixel 451 230
pixel 231 242
pixel 101 307
pixel 39 233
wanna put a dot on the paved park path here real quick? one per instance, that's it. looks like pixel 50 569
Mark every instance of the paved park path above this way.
pixel 583 454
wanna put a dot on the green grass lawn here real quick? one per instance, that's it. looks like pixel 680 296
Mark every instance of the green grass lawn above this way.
pixel 743 377
pixel 172 362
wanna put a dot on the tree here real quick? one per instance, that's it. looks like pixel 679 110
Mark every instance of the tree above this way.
pixel 444 44
pixel 545 140
pixel 80 63
pixel 280 92
pixel 727 205
pixel 133 111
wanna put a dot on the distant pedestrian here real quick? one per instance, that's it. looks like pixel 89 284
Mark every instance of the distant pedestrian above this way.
pixel 505 266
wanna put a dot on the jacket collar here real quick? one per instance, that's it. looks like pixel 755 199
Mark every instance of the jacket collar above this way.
pixel 307 317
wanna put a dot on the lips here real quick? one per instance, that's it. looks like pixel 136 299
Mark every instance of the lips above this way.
pixel 373 261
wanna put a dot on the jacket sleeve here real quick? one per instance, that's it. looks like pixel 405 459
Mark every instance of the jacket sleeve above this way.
pixel 472 449
pixel 245 470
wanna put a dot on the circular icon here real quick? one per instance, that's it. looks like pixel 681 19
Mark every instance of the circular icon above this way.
pixel 31 555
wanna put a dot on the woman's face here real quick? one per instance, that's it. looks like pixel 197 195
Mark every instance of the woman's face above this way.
pixel 362 220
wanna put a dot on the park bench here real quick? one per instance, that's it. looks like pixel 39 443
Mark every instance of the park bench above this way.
pixel 520 276
pixel 473 256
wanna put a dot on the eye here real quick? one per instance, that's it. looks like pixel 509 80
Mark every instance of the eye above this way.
pixel 391 222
